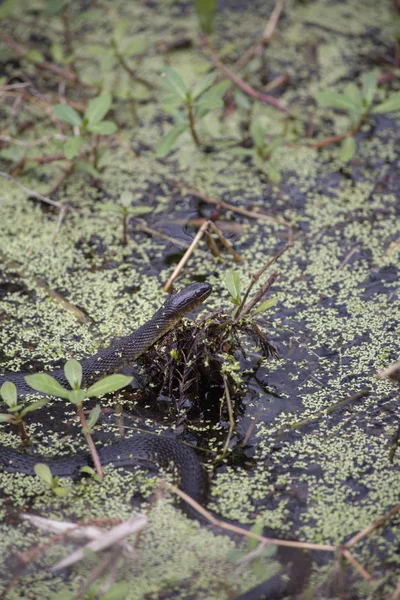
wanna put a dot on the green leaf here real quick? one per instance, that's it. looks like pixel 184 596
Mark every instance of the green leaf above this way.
pixel 53 7
pixel 241 100
pixel 57 53
pixel 8 392
pixel 203 84
pixel 257 528
pixel 138 210
pixel 265 305
pixel 96 50
pixel 369 84
pixel 232 283
pixel 46 384
pixel 206 11
pixel 169 141
pixel 16 408
pixel 126 198
pixel 4 417
pixel 171 80
pixel 98 108
pixel 12 154
pixel 257 133
pixel 273 173
pixel 35 56
pixel 73 373
pixel 120 29
pixel 6 8
pixel 77 396
pixel 213 98
pixel 108 384
pixel 68 114
pixel 93 417
pixel 347 149
pixel 335 100
pixel 352 91
pixel 61 491
pixel 103 128
pixel 43 471
pixel 392 104
pixel 34 406
pixel 114 208
pixel 135 47
pixel 88 470
pixel 86 167
pixel 118 591
pixel 72 146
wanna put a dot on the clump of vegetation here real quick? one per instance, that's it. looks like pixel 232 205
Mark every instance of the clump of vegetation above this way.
pixel 189 106
pixel 358 103
pixel 200 356
pixel 89 125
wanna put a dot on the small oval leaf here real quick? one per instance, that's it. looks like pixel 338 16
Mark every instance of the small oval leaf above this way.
pixel 108 384
pixel 43 471
pixel 73 373
pixel 46 384
pixel 8 392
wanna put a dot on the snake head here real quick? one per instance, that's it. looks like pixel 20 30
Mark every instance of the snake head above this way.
pixel 185 300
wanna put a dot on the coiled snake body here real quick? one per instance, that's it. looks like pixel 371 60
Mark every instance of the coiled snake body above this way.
pixel 143 448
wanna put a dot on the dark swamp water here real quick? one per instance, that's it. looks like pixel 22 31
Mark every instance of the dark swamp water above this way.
pixel 309 457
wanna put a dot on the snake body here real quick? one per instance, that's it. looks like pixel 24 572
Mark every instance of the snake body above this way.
pixel 142 448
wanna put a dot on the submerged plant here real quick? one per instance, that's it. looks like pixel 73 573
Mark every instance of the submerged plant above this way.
pixel 88 125
pixel 358 103
pixel 47 384
pixel 124 209
pixel 189 106
pixel 44 473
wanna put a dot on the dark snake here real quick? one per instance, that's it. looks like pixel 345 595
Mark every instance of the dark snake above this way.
pixel 146 448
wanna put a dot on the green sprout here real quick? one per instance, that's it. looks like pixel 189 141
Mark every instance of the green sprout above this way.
pixel 44 472
pixel 232 284
pixel 119 51
pixel 358 103
pixel 125 211
pixel 265 152
pixel 189 106
pixel 90 124
pixel 46 384
pixel 17 412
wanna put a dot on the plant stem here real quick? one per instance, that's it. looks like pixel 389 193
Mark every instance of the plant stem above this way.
pixel 124 226
pixel 22 432
pixel 192 126
pixel 90 443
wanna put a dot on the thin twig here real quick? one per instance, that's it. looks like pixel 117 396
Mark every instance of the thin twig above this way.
pixel 396 593
pixel 225 242
pixel 256 277
pixel 186 256
pixel 253 214
pixel 231 416
pixel 265 38
pixel 90 443
pixel 258 295
pixel 240 530
pixel 375 525
pixel 245 87
pixel 358 567
pixel 34 194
